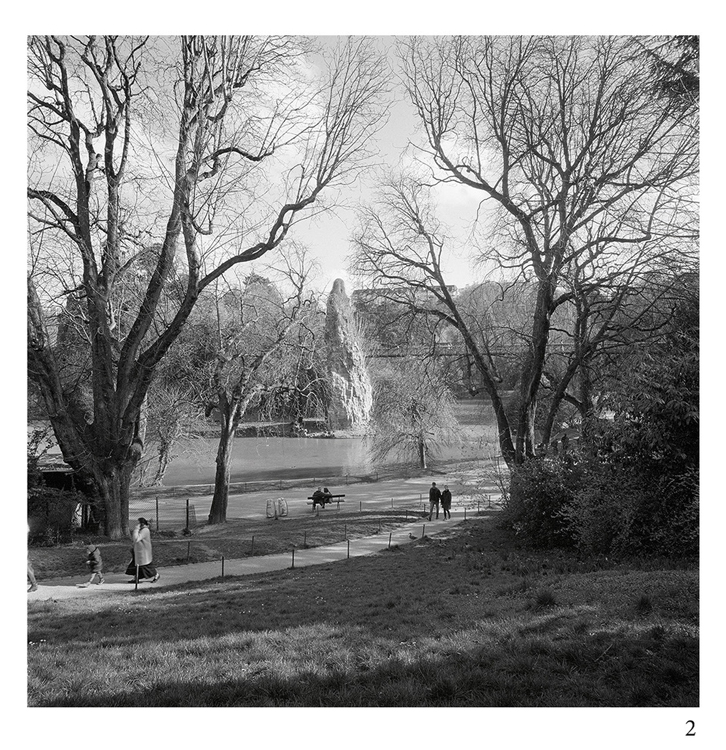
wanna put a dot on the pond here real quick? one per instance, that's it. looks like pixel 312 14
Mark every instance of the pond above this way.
pixel 259 459
pixel 270 458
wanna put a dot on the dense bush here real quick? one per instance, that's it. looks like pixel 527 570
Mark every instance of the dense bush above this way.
pixel 540 493
pixel 603 508
pixel 619 510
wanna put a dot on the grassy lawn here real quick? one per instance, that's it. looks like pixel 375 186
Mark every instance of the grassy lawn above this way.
pixel 470 620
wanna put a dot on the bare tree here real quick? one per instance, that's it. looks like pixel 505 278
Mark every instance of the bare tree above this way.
pixel 208 149
pixel 413 412
pixel 173 413
pixel 399 246
pixel 253 350
pixel 584 169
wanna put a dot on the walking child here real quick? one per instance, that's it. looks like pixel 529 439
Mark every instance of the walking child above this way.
pixel 95 563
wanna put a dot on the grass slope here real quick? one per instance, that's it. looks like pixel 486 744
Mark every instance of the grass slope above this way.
pixel 470 620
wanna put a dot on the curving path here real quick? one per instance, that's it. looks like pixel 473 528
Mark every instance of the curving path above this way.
pixel 117 583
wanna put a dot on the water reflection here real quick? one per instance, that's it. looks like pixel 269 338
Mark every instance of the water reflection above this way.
pixel 258 459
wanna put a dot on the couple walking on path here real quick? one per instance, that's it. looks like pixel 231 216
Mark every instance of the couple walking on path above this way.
pixel 436 496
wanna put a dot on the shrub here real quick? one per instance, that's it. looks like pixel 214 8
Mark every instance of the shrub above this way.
pixel 539 495
pixel 600 506
pixel 622 510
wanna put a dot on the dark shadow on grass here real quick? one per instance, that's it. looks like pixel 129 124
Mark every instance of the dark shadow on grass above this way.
pixel 512 673
pixel 368 612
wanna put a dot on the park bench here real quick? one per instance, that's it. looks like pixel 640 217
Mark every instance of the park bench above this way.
pixel 325 500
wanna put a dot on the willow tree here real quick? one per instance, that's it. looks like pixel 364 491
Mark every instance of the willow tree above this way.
pixel 413 412
pixel 206 149
pixel 584 172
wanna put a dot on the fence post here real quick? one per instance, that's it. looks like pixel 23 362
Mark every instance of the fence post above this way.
pixel 157 512
pixel 423 531
pixel 187 526
pixel 293 558
pixel 349 549
pixel 222 566
pixel 136 580
pixel 389 539
pixel 360 506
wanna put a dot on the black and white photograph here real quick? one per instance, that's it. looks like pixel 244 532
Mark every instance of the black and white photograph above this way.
pixel 363 371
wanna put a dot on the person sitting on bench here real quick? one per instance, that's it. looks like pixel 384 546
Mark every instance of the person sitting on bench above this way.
pixel 319 498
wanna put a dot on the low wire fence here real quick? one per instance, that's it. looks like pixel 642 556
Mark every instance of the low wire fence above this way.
pixel 187 513
pixel 361 520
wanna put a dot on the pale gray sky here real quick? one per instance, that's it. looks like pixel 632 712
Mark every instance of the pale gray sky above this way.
pixel 328 235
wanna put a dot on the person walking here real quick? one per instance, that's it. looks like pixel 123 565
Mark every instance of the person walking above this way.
pixel 143 558
pixel 446 501
pixel 31 572
pixel 93 558
pixel 31 577
pixel 434 499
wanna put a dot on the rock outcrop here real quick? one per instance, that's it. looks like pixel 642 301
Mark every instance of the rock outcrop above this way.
pixel 349 387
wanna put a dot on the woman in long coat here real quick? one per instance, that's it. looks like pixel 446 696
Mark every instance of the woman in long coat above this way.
pixel 142 553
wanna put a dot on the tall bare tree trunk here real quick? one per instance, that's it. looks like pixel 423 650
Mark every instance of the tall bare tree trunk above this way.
pixel 218 509
pixel 112 484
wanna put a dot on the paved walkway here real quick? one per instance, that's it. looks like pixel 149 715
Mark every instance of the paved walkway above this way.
pixel 364 496
pixel 115 583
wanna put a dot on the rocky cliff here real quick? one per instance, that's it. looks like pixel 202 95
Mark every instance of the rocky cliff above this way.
pixel 350 391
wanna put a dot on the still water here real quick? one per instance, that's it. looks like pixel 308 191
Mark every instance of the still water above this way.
pixel 256 459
